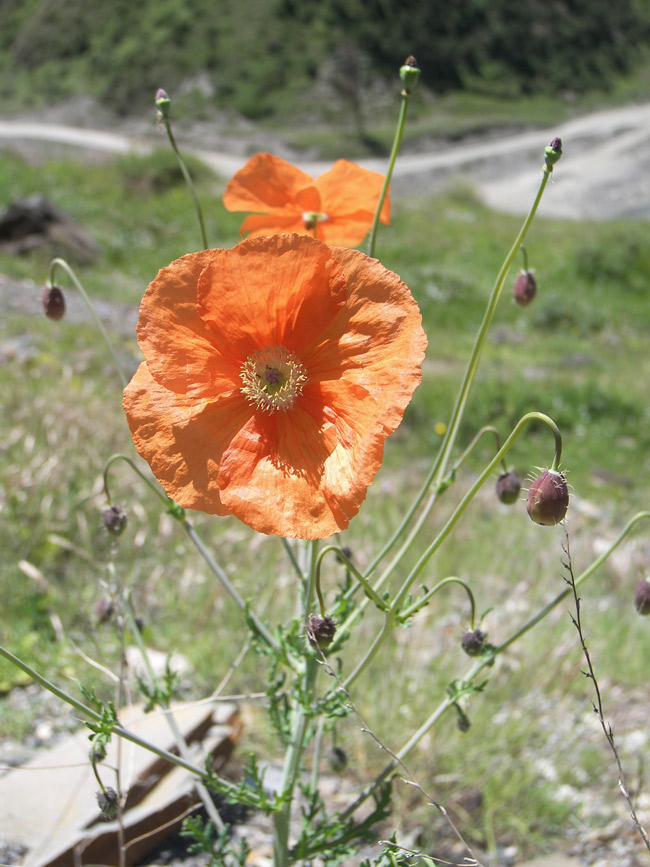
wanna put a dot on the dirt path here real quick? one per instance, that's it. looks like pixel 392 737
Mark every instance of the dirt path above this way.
pixel 605 171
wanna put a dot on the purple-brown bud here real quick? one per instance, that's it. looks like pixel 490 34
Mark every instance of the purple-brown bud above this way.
pixel 320 631
pixel 508 487
pixel 337 759
pixel 114 520
pixel 548 499
pixel 642 596
pixel 53 303
pixel 473 642
pixel 108 801
pixel 103 610
pixel 525 288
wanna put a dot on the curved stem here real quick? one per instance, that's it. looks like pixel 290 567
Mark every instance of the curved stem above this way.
pixel 61 263
pixel 379 602
pixel 188 181
pixel 113 459
pixel 397 141
pixel 420 603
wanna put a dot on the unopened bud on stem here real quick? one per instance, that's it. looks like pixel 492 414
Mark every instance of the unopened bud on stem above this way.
pixel 53 302
pixel 409 74
pixel 508 487
pixel 642 596
pixel 525 288
pixel 548 499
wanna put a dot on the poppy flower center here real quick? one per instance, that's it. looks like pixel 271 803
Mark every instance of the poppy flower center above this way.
pixel 273 378
pixel 311 218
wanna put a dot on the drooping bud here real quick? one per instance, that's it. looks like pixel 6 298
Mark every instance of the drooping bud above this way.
pixel 473 642
pixel 553 152
pixel 163 103
pixel 525 288
pixel 508 487
pixel 53 302
pixel 114 520
pixel 337 759
pixel 409 74
pixel 103 610
pixel 320 631
pixel 108 801
pixel 347 553
pixel 642 596
pixel 548 499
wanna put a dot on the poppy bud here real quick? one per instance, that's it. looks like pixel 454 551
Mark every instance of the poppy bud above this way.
pixel 473 642
pixel 508 487
pixel 409 74
pixel 524 289
pixel 553 152
pixel 103 610
pixel 114 520
pixel 320 631
pixel 337 759
pixel 548 499
pixel 163 103
pixel 347 552
pixel 642 596
pixel 108 801
pixel 53 302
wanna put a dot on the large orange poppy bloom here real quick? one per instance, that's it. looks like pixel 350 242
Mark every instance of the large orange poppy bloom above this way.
pixel 339 206
pixel 273 373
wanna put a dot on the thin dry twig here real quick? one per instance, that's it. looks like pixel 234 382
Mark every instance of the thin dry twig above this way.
pixel 598 703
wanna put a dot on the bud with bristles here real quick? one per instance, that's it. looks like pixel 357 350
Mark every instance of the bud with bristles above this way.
pixel 548 499
pixel 525 288
pixel 409 74
pixel 163 103
pixel 553 152
pixel 114 520
pixel 473 642
pixel 108 801
pixel 508 487
pixel 53 303
pixel 642 596
pixel 320 631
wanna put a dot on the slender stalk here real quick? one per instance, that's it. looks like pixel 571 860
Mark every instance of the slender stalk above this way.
pixel 420 603
pixel 113 459
pixel 61 263
pixel 299 724
pixel 397 141
pixel 188 180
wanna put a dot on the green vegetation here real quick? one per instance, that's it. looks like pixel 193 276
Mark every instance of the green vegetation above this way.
pixel 271 57
pixel 579 353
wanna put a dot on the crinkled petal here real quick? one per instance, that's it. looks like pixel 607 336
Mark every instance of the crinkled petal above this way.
pixel 349 194
pixel 179 347
pixel 259 225
pixel 278 291
pixel 265 184
pixel 183 438
pixel 376 341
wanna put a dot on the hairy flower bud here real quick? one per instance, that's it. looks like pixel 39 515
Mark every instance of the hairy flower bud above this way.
pixel 409 74
pixel 473 642
pixel 163 103
pixel 114 520
pixel 642 596
pixel 108 801
pixel 508 487
pixel 337 759
pixel 525 288
pixel 553 152
pixel 53 302
pixel 320 631
pixel 548 499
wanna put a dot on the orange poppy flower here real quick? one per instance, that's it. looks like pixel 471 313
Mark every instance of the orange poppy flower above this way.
pixel 273 373
pixel 339 205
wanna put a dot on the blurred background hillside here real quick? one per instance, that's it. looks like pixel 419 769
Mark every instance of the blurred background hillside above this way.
pixel 278 59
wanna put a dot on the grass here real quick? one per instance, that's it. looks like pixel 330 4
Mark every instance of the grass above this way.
pixel 579 353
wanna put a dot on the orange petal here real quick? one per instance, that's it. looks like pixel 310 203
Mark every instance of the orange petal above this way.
pixel 376 340
pixel 272 224
pixel 178 345
pixel 349 194
pixel 277 291
pixel 182 438
pixel 265 184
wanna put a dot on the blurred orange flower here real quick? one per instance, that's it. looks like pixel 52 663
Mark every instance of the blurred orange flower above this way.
pixel 339 205
pixel 273 373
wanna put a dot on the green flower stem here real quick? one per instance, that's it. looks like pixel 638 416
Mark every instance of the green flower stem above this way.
pixel 439 466
pixel 488 660
pixel 318 749
pixel 397 141
pixel 299 724
pixel 113 459
pixel 420 603
pixel 387 628
pixel 188 180
pixel 61 263
pixel 294 560
pixel 181 743
pixel 379 602
pixel 96 717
